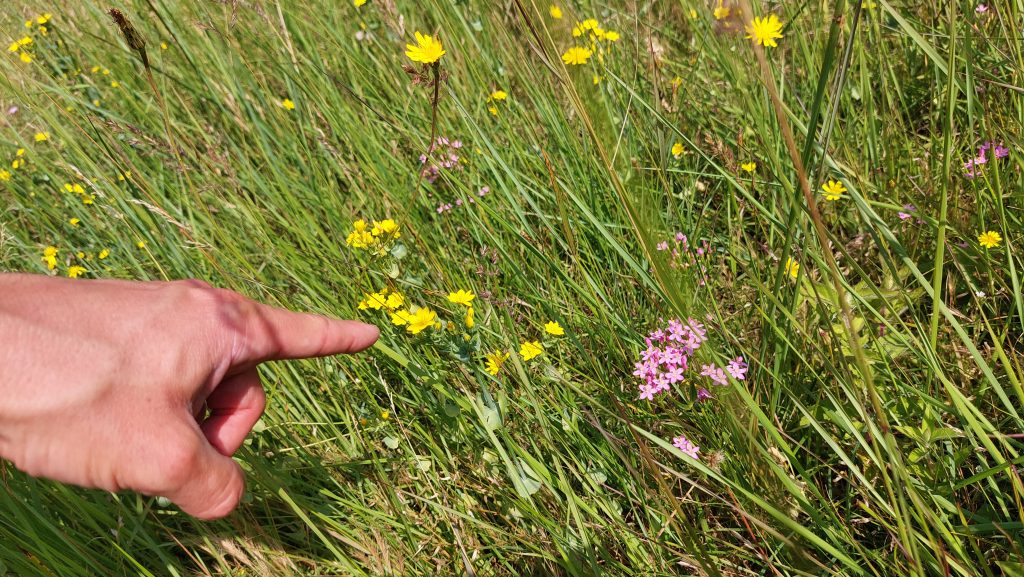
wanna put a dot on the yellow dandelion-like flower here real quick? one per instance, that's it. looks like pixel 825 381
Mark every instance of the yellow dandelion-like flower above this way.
pixel 74 221
pixel 749 166
pixel 555 12
pixel 833 190
pixel 76 271
pixel 576 56
pixel 678 150
pixel 611 36
pixel 140 244
pixel 288 104
pixel 358 3
pixel 462 297
pixel 42 136
pixel 50 257
pixel 420 320
pixel 553 328
pixel 385 227
pixel 494 362
pixel 395 301
pixel 989 239
pixel 765 31
pixel 104 253
pixel 25 57
pixel 721 12
pixel 427 49
pixel 792 267
pixel 529 350
pixel 497 95
pixel 5 175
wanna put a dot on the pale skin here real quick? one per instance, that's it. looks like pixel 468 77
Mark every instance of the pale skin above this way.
pixel 145 386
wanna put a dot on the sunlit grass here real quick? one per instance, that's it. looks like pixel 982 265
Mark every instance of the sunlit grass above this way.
pixel 878 431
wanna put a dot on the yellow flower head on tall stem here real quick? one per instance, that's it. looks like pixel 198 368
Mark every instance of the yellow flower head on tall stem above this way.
pixel 529 350
pixel 792 268
pixel 990 239
pixel 494 362
pixel 833 190
pixel 462 297
pixel 427 49
pixel 577 55
pixel 765 31
pixel 555 12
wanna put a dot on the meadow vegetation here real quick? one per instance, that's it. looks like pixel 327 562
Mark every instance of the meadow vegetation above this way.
pixel 663 289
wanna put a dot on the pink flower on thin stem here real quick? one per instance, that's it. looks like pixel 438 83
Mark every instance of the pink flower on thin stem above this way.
pixel 684 445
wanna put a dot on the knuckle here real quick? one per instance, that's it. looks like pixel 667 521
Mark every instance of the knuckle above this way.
pixel 180 462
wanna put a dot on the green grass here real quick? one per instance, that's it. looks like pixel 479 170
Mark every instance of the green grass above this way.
pixel 878 433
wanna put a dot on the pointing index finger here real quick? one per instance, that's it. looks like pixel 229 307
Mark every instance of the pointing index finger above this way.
pixel 272 333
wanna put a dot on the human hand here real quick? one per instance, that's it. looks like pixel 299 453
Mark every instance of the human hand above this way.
pixel 148 386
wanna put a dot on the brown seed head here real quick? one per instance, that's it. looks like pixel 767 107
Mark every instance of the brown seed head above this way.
pixel 131 35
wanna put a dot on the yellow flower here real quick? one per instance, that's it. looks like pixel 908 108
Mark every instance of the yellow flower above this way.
pixel 104 253
pixel 497 95
pixel 360 237
pixel 576 56
pixel 386 226
pixel 598 79
pixel 677 150
pixel 25 57
pixel 470 323
pixel 693 14
pixel 287 104
pixel 765 31
pixel 73 221
pixel 5 175
pixel 462 297
pixel 358 3
pixel 555 12
pixel 749 166
pixel 44 18
pixel 395 301
pixel 419 320
pixel 588 24
pixel 75 271
pixel 42 136
pixel 50 257
pixel 140 244
pixel 611 36
pixel 493 110
pixel 553 328
pixel 989 239
pixel 374 301
pixel 721 13
pixel 75 188
pixel 427 50
pixel 88 199
pixel 115 84
pixel 792 267
pixel 530 349
pixel 833 190
pixel 384 415
pixel 494 362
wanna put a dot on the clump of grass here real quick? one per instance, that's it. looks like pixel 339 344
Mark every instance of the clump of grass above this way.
pixel 854 252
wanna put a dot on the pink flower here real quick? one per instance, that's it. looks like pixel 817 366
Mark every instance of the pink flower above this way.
pixel 737 368
pixel 714 373
pixel 483 191
pixel 981 9
pixel 662 245
pixel 703 395
pixel 684 445
pixel 909 208
pixel 1001 151
pixel 680 237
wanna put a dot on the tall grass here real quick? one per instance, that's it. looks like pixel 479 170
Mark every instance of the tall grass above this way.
pixel 878 432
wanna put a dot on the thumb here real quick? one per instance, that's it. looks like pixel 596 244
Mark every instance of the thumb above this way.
pixel 200 480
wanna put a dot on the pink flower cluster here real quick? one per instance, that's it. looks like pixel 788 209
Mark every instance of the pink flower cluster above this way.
pixel 973 167
pixel 667 356
pixel 683 255
pixel 443 155
pixel 445 207
pixel 736 368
